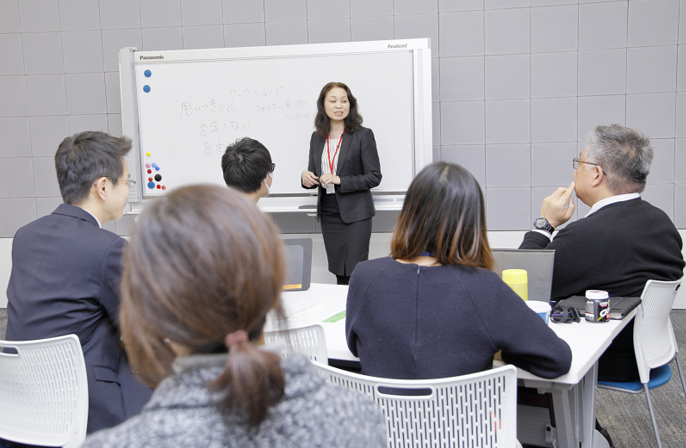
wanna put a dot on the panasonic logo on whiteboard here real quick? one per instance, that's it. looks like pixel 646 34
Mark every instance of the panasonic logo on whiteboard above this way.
pixel 142 58
pixel 397 45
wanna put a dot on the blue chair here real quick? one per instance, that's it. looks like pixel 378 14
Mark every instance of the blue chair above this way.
pixel 654 344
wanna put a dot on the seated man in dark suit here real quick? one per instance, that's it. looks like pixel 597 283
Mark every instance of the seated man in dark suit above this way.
pixel 247 167
pixel 66 271
pixel 621 243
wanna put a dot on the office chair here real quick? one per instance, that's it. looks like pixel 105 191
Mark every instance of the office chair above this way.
pixel 654 344
pixel 43 392
pixel 309 341
pixel 475 410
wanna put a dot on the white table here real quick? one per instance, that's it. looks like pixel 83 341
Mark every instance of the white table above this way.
pixel 313 306
pixel 573 393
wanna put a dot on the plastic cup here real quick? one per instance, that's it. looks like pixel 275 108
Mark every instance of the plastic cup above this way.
pixel 540 308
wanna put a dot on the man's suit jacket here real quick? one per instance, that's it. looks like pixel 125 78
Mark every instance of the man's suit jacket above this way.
pixel 65 279
pixel 616 249
pixel 359 170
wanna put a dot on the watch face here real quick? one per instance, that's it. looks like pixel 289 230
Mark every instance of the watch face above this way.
pixel 542 223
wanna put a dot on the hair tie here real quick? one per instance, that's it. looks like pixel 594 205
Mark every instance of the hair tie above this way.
pixel 233 338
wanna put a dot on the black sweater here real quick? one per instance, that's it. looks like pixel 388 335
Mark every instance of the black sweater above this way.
pixel 616 249
pixel 407 321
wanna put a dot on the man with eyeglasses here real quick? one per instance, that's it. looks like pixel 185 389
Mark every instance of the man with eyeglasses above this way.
pixel 620 244
pixel 66 270
pixel 248 167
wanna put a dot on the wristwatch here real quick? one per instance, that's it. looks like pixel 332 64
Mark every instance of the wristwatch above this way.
pixel 543 224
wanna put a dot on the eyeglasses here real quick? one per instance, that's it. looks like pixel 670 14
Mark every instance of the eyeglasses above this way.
pixel 130 182
pixel 577 162
pixel 273 168
pixel 564 314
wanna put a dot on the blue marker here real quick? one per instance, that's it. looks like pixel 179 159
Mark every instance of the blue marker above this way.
pixel 146 89
pixel 151 185
pixel 147 73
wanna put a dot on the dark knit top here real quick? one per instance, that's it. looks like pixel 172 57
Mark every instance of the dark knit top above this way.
pixel 616 249
pixel 410 321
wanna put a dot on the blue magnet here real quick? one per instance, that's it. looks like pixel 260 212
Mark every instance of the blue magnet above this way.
pixel 147 73
pixel 146 89
pixel 157 168
pixel 151 185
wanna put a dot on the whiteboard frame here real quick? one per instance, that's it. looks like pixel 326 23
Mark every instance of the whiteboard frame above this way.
pixel 305 202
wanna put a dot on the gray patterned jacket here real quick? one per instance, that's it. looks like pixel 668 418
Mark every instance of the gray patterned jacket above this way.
pixel 312 413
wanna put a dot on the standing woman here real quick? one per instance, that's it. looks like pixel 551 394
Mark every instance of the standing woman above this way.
pixel 344 164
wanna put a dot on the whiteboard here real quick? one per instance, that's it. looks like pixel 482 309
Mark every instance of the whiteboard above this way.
pixel 186 106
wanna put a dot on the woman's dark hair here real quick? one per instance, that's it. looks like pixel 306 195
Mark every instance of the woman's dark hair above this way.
pixel 85 157
pixel 204 263
pixel 322 123
pixel 444 215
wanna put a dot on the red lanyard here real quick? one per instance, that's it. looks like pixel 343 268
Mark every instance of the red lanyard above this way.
pixel 328 153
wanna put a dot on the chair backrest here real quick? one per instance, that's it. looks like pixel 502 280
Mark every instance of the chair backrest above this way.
pixel 654 341
pixel 309 341
pixel 43 392
pixel 475 410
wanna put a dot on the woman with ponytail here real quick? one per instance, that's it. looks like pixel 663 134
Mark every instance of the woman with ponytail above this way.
pixel 203 269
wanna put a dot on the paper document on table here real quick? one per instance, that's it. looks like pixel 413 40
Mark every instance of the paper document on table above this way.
pixel 336 317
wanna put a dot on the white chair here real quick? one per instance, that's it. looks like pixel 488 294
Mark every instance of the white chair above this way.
pixel 43 392
pixel 309 341
pixel 654 344
pixel 478 410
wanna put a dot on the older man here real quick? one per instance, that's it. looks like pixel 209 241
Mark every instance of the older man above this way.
pixel 66 271
pixel 621 243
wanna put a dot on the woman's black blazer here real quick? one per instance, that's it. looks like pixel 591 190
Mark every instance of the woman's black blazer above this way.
pixel 358 168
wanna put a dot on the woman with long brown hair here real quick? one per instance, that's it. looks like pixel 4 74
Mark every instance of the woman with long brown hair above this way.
pixel 344 164
pixel 434 309
pixel 203 269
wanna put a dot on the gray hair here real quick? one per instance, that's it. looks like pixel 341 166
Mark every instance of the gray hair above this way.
pixel 624 154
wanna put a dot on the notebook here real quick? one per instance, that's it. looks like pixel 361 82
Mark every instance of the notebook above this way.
pixel 538 263
pixel 619 306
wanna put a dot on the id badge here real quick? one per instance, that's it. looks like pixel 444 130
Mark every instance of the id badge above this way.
pixel 330 189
